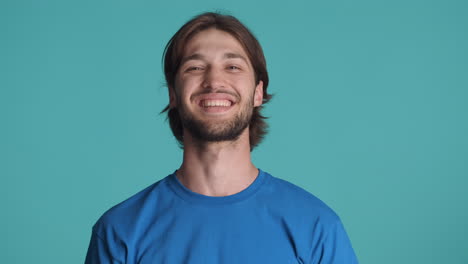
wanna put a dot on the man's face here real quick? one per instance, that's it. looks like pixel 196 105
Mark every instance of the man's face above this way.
pixel 215 90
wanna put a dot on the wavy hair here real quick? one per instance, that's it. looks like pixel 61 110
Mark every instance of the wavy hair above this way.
pixel 173 53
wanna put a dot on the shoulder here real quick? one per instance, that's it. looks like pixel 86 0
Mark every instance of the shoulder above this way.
pixel 297 200
pixel 316 228
pixel 124 214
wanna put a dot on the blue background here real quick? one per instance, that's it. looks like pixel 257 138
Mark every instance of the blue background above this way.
pixel 370 115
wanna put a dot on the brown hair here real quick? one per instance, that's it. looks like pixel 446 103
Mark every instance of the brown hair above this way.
pixel 173 55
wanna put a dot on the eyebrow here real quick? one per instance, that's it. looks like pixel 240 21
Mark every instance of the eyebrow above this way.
pixel 228 55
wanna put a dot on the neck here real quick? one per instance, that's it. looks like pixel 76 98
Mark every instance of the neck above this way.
pixel 217 168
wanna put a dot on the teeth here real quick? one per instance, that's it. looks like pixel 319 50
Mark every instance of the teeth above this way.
pixel 208 103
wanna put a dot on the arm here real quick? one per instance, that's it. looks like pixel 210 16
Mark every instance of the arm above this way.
pixel 335 248
pixel 99 251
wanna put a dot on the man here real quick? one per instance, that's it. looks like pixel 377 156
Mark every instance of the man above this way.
pixel 218 207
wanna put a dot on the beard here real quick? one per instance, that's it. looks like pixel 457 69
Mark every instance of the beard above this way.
pixel 217 131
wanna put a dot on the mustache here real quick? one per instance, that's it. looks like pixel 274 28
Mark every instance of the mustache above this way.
pixel 221 91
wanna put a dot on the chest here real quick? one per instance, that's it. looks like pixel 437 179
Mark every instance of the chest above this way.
pixel 217 237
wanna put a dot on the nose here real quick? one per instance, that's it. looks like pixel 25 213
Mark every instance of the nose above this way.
pixel 214 79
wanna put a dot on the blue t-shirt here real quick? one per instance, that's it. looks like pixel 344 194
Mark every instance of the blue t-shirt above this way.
pixel 271 221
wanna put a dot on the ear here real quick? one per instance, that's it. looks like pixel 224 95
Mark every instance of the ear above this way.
pixel 258 95
pixel 172 98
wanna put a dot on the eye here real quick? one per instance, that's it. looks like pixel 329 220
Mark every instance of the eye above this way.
pixel 233 67
pixel 194 68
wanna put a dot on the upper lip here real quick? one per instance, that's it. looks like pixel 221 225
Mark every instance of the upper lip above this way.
pixel 216 96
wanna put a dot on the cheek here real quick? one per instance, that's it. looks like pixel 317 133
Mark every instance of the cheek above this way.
pixel 244 79
pixel 186 88
pixel 245 86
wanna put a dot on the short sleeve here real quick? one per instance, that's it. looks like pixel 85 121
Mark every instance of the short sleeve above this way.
pixel 335 248
pixel 99 251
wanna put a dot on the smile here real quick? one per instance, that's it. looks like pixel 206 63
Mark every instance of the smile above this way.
pixel 213 103
pixel 216 106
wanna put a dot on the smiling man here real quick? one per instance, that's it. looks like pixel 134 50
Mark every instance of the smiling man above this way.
pixel 218 207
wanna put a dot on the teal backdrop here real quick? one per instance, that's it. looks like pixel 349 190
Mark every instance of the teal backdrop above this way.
pixel 370 115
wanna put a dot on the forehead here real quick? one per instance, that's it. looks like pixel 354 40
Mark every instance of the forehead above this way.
pixel 213 40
